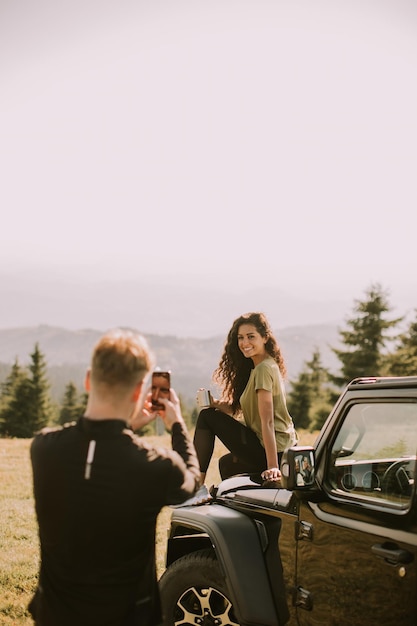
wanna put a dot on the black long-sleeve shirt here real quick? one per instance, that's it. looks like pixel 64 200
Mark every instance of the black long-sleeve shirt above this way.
pixel 97 519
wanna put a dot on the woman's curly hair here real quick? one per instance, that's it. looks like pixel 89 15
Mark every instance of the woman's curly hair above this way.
pixel 233 371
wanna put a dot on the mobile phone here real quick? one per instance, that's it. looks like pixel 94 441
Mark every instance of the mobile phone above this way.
pixel 161 384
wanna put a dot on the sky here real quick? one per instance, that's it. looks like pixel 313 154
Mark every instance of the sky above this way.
pixel 226 144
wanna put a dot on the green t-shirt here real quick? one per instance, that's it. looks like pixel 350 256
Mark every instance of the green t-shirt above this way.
pixel 266 375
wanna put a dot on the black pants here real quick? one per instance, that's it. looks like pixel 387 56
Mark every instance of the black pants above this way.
pixel 247 455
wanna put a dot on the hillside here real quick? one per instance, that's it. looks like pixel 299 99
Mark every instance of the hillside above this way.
pixel 191 360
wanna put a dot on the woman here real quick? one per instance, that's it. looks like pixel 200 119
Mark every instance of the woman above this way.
pixel 251 373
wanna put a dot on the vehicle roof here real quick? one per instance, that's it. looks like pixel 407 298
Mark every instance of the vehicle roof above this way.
pixel 383 382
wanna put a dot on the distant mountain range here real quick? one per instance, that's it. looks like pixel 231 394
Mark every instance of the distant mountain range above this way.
pixel 186 321
pixel 191 360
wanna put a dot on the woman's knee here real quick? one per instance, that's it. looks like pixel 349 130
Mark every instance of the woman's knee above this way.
pixel 205 419
pixel 230 465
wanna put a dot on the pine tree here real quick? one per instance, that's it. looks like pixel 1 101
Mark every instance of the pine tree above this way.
pixel 70 408
pixel 365 338
pixel 40 410
pixel 403 361
pixel 25 402
pixel 299 400
pixel 320 391
pixel 309 401
pixel 7 388
pixel 14 389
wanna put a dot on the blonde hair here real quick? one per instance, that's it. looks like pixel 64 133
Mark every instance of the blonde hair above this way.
pixel 121 359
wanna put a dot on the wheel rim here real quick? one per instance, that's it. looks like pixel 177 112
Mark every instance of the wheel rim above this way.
pixel 204 606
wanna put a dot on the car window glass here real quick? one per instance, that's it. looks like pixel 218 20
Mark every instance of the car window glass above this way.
pixel 374 454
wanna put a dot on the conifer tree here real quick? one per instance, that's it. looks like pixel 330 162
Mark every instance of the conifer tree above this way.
pixel 299 400
pixel 320 391
pixel 70 408
pixel 13 391
pixel 25 402
pixel 403 360
pixel 365 338
pixel 40 409
pixel 309 401
pixel 8 386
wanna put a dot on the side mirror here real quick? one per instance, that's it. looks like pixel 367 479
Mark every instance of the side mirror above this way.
pixel 298 467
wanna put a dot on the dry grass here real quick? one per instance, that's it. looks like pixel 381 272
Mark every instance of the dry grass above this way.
pixel 19 554
pixel 18 537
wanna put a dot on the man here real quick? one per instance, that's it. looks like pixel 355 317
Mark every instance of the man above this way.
pixel 98 490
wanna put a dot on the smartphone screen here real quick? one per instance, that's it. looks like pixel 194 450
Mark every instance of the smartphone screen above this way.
pixel 161 383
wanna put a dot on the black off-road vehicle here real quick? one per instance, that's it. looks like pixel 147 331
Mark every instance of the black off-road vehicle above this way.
pixel 334 544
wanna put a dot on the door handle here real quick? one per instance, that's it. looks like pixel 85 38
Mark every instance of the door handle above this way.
pixel 392 554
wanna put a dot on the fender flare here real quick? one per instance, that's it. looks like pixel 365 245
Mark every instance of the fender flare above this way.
pixel 239 545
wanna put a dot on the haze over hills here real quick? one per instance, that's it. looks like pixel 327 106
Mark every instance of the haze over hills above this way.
pixel 191 360
pixel 186 324
pixel 183 308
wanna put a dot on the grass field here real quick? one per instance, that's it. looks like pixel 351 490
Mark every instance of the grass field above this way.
pixel 19 554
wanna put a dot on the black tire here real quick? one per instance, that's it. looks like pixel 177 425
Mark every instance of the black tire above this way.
pixel 193 591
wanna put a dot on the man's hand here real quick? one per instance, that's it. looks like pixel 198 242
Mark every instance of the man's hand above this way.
pixel 172 413
pixel 141 418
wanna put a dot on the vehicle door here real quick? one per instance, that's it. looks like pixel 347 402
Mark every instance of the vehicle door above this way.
pixel 357 552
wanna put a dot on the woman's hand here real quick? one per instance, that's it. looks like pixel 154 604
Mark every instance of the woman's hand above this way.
pixel 272 473
pixel 224 407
